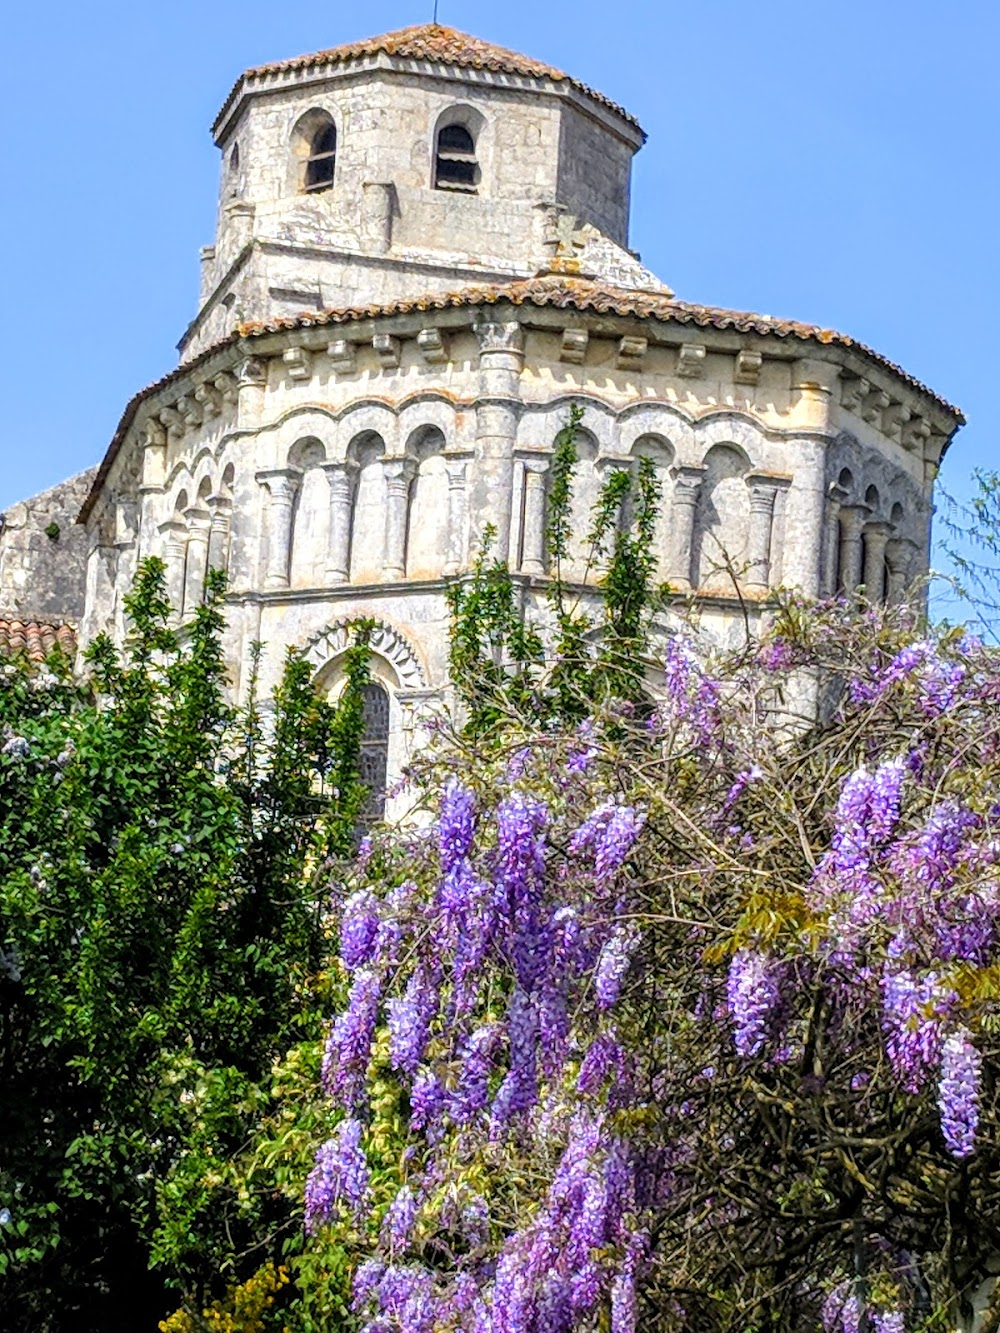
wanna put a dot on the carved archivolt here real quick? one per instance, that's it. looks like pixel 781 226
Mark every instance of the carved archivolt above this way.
pixel 335 639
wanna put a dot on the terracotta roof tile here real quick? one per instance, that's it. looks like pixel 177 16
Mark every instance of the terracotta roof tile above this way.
pixel 428 42
pixel 561 292
pixel 567 293
pixel 35 639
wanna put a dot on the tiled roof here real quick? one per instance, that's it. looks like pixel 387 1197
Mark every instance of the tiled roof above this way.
pixel 429 42
pixel 35 639
pixel 560 292
pixel 568 293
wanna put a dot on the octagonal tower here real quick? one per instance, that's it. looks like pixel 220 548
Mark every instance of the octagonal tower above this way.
pixel 420 265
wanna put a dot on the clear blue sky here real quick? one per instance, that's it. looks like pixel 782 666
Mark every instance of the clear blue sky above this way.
pixel 835 163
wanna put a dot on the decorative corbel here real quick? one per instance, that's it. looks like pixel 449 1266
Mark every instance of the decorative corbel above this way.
pixel 190 411
pixel 691 360
pixel 574 346
pixel 387 349
pixel 631 352
pixel 173 421
pixel 875 403
pixel 343 356
pixel 298 363
pixel 225 385
pixel 748 366
pixel 431 347
pixel 894 418
pixel 854 392
pixel 915 434
pixel 209 398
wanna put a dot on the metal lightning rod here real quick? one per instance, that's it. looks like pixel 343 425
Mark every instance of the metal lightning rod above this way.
pixel 435 11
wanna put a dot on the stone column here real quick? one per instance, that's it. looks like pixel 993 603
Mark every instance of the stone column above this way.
pixel 533 531
pixel 174 536
pixel 683 505
pixel 899 556
pixel 341 480
pixel 282 486
pixel 805 511
pixel 836 496
pixel 852 522
pixel 875 538
pixel 251 382
pixel 199 522
pixel 455 562
pixel 398 473
pixel 498 407
pixel 218 536
pixel 151 486
pixel 763 493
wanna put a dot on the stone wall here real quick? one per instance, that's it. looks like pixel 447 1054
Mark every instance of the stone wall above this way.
pixel 43 552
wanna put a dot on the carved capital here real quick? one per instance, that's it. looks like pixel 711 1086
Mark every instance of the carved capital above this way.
pixel 497 337
pixel 687 483
pixel 282 483
pixel 251 371
pixel 153 435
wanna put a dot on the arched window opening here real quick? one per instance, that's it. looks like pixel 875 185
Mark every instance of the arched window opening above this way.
pixel 234 159
pixel 322 160
pixel 374 757
pixel 455 164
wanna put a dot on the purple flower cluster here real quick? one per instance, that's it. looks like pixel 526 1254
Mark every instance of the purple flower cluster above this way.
pixel 753 994
pixel 610 834
pixel 345 1060
pixel 612 964
pixel 914 1010
pixel 340 1177
pixel 693 697
pixel 958 1092
pixel 359 929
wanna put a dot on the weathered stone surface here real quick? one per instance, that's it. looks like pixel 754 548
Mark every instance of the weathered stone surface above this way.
pixel 42 552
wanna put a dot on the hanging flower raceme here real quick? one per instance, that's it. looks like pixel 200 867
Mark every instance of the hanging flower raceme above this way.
pixel 340 1178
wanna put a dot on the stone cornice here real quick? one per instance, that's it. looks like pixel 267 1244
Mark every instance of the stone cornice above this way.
pixel 603 312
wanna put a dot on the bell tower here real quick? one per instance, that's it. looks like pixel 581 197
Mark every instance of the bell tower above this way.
pixel 419 161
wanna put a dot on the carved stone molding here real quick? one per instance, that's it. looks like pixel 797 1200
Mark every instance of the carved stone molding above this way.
pixel 334 640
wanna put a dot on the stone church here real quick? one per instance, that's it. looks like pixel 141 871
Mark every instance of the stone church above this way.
pixel 421 261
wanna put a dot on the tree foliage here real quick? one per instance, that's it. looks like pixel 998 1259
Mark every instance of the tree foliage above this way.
pixel 160 927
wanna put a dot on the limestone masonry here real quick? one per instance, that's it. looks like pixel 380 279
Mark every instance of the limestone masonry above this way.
pixel 421 260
